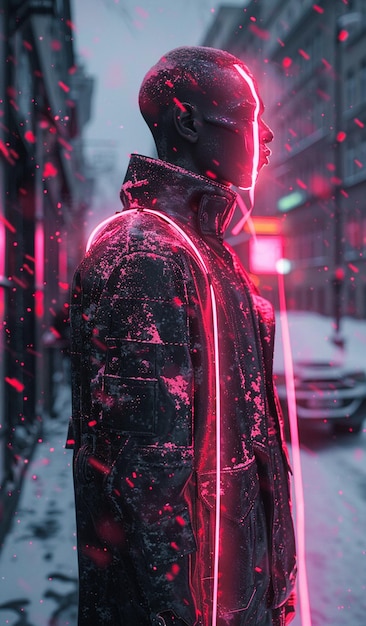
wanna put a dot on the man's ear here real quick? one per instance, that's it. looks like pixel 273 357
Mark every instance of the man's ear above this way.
pixel 185 117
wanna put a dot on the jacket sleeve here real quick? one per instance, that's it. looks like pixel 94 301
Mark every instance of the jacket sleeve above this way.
pixel 142 399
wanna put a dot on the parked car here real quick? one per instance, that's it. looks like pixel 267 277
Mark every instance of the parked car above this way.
pixel 329 380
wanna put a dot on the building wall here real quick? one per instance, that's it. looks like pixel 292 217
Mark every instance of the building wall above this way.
pixel 43 193
pixel 314 89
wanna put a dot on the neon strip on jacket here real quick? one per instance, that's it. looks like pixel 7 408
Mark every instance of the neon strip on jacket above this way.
pixel 198 256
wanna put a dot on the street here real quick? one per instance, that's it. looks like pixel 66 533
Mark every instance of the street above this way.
pixel 38 561
pixel 334 476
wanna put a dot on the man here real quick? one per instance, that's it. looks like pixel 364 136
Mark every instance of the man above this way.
pixel 181 477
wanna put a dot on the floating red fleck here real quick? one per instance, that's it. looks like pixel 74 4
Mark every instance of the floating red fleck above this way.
pixel 301 183
pixel 318 9
pixel 343 35
pixel 286 62
pixel 304 54
pixel 260 32
pixel 179 104
pixel 14 382
pixel 341 135
pixel 29 136
pixel 358 122
pixel 63 86
pixel 49 170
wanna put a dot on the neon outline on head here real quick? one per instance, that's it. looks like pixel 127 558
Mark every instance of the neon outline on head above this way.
pixel 255 126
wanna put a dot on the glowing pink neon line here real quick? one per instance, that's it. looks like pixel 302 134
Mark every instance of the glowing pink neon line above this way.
pixel 298 481
pixel 255 127
pixel 99 227
pixel 217 387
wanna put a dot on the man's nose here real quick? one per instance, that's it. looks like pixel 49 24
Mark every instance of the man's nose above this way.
pixel 265 132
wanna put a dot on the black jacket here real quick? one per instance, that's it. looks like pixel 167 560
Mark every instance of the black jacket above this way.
pixel 144 416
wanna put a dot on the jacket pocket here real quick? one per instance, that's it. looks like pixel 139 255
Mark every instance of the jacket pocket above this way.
pixel 243 556
pixel 129 405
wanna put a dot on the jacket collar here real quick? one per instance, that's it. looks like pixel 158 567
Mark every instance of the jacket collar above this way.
pixel 204 204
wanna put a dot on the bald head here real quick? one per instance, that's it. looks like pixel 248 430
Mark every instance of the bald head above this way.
pixel 187 89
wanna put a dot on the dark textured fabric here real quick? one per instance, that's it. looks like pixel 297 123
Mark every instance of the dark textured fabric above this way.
pixel 144 417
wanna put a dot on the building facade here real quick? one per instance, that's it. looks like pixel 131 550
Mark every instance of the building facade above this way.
pixel 310 62
pixel 45 102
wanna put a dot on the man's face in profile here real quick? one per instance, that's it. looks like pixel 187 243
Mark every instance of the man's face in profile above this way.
pixel 239 136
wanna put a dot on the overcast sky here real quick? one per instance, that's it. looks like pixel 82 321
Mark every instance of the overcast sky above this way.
pixel 118 41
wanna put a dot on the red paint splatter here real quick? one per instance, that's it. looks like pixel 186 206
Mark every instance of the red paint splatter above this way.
pixel 14 382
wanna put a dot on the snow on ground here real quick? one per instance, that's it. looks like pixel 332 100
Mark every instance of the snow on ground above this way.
pixel 38 567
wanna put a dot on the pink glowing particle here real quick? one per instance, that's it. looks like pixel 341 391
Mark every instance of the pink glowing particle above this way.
pixel 318 9
pixel 286 62
pixel 343 35
pixel 304 54
pixel 49 170
pixel 29 136
pixel 341 136
pixel 14 382
pixel 63 86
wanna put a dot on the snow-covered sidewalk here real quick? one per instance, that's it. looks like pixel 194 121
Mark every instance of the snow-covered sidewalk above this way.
pixel 38 563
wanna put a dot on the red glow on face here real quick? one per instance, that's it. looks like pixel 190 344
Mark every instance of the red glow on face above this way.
pixel 49 170
pixel 255 126
pixel 15 383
